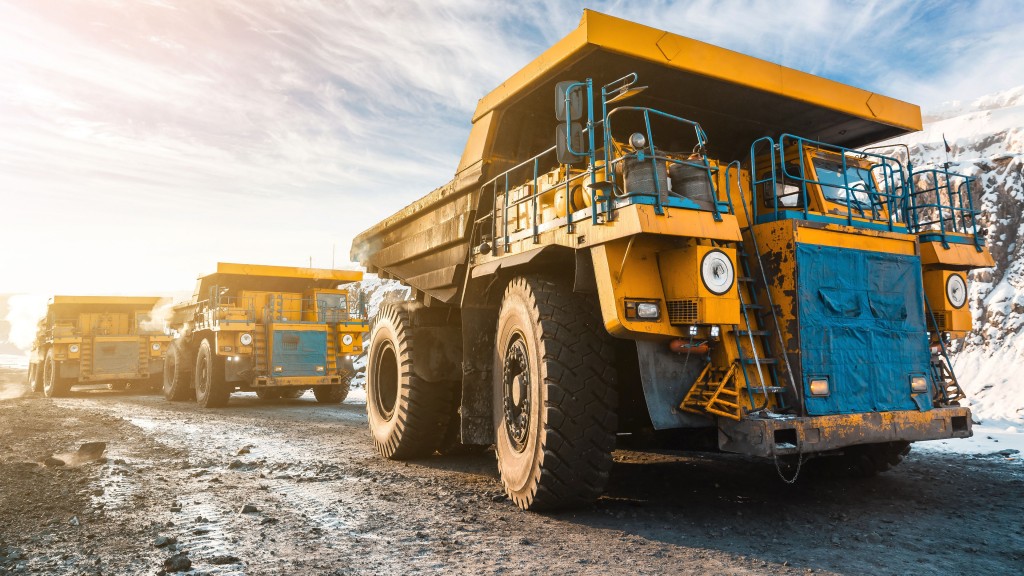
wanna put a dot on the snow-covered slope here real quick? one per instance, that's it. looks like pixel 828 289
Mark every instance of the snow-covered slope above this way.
pixel 986 138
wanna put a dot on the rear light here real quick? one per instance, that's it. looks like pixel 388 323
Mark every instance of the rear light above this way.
pixel 918 384
pixel 819 387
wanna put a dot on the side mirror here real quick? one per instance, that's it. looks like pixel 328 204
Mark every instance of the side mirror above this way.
pixel 568 102
pixel 569 144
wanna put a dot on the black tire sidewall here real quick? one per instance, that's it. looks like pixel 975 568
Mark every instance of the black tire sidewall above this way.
pixel 519 469
pixel 53 388
pixel 33 383
pixel 216 391
pixel 382 428
pixel 334 394
pixel 176 384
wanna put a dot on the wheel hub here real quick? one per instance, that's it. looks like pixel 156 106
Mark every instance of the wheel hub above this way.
pixel 516 384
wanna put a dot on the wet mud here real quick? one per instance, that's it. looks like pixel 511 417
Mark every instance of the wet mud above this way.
pixel 294 487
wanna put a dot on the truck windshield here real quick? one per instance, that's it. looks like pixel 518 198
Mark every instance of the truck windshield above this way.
pixel 854 185
pixel 333 307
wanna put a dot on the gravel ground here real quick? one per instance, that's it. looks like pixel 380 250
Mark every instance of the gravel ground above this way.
pixel 294 487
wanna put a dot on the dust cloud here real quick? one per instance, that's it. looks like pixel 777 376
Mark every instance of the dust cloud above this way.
pixel 11 390
pixel 159 316
pixel 23 315
pixel 12 382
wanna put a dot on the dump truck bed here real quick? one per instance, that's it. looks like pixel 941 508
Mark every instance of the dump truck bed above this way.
pixel 80 304
pixel 735 97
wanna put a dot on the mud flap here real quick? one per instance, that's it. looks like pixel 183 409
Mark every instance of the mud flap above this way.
pixel 666 378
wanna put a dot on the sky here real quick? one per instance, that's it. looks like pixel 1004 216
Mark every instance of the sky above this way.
pixel 143 141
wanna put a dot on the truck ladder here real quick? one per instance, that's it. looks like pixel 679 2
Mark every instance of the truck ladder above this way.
pixel 143 357
pixel 332 349
pixel 946 388
pixel 85 359
pixel 260 353
pixel 761 312
pixel 756 332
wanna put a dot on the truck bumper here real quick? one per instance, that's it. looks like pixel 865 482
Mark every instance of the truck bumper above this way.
pixel 262 381
pixel 785 435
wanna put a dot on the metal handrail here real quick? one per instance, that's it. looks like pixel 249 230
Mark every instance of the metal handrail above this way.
pixel 502 183
pixel 886 192
pixel 945 205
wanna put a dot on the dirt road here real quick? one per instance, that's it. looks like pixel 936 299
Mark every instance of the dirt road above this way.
pixel 295 488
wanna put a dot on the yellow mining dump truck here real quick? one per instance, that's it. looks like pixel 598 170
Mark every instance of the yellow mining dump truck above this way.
pixel 275 330
pixel 634 243
pixel 114 340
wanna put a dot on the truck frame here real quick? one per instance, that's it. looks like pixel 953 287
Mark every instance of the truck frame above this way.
pixel 671 257
pixel 274 330
pixel 97 339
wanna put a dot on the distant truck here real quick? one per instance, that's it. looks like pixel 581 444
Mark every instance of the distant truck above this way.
pixel 111 340
pixel 274 330
pixel 635 242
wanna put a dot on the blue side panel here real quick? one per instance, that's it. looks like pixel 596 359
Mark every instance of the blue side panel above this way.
pixel 299 352
pixel 862 325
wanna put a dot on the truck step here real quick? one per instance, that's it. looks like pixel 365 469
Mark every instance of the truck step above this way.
pixel 768 389
pixel 762 361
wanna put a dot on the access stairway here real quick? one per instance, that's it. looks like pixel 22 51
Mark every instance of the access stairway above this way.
pixel 754 368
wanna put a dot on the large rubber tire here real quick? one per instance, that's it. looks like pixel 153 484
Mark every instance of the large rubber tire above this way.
pixel 53 385
pixel 35 377
pixel 407 415
pixel 555 398
pixel 211 389
pixel 178 366
pixel 335 394
pixel 867 460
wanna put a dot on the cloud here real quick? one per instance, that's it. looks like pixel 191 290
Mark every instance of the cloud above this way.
pixel 144 141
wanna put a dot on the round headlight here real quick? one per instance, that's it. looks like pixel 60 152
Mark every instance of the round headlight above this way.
pixel 716 272
pixel 347 339
pixel 246 339
pixel 637 140
pixel 73 348
pixel 156 346
pixel 956 290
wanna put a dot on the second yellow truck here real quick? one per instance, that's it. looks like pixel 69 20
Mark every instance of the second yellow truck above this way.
pixel 275 330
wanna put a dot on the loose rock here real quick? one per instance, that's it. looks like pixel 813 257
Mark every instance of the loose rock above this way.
pixel 225 559
pixel 178 563
pixel 161 541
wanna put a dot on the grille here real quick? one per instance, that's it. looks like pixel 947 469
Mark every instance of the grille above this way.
pixel 940 321
pixel 115 357
pixel 682 311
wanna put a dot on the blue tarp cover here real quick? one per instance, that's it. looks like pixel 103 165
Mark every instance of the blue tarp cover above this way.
pixel 299 352
pixel 862 325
